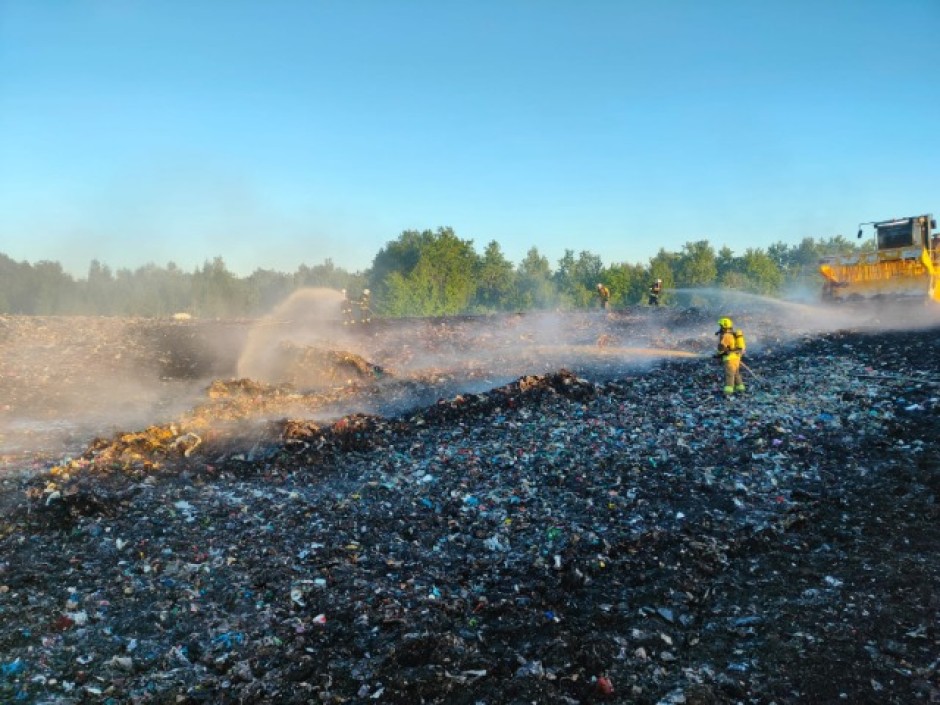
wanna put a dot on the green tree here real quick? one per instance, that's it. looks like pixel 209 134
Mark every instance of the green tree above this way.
pixel 327 275
pixel 151 296
pixel 399 296
pixel 783 256
pixel 437 270
pixel 399 256
pixel 495 280
pixel 216 291
pixel 840 245
pixel 725 263
pixel 627 283
pixel 762 273
pixel 16 285
pixel 736 279
pixel 177 288
pixel 695 266
pixel 99 295
pixel 534 282
pixel 444 276
pixel 576 279
pixel 53 290
pixel 800 265
pixel 804 256
pixel 266 288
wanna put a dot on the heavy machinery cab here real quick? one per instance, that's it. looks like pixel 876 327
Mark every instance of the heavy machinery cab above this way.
pixel 906 262
pixel 904 234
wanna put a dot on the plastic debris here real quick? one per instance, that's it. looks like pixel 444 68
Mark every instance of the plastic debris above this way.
pixel 462 532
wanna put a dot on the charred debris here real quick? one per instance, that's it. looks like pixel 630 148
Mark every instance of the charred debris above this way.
pixel 613 531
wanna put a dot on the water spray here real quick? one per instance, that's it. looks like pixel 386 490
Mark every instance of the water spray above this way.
pixel 610 351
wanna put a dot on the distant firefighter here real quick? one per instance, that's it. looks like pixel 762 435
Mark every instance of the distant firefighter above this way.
pixel 365 310
pixel 347 311
pixel 603 293
pixel 656 288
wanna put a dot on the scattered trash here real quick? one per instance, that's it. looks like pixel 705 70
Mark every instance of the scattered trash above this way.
pixel 604 686
pixel 470 537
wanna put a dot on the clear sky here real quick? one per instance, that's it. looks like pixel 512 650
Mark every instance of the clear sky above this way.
pixel 274 133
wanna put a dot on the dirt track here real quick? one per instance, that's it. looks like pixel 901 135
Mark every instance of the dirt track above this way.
pixel 621 534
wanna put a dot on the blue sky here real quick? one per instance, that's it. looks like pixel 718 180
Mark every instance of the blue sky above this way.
pixel 275 133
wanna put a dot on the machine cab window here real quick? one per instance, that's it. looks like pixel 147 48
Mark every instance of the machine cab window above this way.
pixel 899 233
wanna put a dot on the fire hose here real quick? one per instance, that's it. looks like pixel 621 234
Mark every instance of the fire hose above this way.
pixel 752 372
pixel 746 367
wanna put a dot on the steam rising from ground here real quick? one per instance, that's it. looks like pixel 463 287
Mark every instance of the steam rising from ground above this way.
pixel 490 349
pixel 64 381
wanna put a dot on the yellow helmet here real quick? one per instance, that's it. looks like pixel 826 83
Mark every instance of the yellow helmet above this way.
pixel 725 323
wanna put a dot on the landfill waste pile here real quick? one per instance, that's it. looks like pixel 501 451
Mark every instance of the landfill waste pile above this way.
pixel 64 380
pixel 462 512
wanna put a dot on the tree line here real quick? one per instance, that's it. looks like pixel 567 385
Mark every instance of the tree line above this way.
pixel 421 273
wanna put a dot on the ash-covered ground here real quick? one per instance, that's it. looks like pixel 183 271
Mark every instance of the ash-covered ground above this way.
pixel 517 509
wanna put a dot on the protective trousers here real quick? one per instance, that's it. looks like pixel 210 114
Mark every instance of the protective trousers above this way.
pixel 733 379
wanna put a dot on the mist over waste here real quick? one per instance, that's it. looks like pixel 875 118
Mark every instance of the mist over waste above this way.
pixel 69 380
pixel 555 507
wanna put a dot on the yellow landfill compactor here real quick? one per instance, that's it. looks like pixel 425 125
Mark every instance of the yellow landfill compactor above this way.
pixel 905 263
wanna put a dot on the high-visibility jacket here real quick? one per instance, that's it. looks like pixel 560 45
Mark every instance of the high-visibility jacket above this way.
pixel 731 343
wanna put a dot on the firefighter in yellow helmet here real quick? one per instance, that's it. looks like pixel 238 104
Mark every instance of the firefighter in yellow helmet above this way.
pixel 656 290
pixel 603 293
pixel 731 347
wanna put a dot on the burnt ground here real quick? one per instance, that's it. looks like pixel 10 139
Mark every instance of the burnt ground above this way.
pixel 606 531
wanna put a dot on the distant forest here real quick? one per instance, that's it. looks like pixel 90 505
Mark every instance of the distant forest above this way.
pixel 427 273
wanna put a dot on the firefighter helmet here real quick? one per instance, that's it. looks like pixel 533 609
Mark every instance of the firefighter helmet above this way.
pixel 725 323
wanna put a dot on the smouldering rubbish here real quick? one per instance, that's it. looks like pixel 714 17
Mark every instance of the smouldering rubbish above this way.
pixel 610 529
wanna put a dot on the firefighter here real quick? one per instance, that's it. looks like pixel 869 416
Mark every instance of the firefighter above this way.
pixel 347 310
pixel 730 349
pixel 604 294
pixel 365 311
pixel 656 288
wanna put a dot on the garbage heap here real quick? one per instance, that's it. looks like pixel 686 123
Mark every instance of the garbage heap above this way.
pixel 554 540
